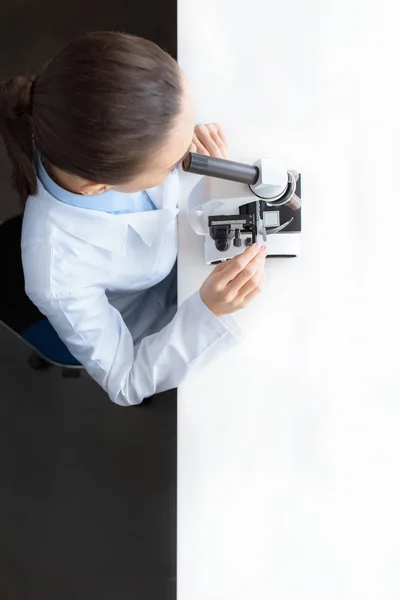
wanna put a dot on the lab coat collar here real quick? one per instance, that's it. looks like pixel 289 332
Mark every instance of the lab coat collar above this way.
pixel 102 229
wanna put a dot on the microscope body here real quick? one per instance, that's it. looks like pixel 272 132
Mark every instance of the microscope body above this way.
pixel 232 215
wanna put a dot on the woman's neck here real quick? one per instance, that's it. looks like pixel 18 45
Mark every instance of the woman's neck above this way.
pixel 71 183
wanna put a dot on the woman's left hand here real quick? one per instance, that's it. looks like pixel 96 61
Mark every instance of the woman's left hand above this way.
pixel 209 140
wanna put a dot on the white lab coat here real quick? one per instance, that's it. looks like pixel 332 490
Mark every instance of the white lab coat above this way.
pixel 106 283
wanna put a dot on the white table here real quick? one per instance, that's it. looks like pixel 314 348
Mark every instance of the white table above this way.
pixel 289 446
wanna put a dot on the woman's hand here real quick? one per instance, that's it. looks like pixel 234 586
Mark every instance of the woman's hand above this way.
pixel 235 283
pixel 209 140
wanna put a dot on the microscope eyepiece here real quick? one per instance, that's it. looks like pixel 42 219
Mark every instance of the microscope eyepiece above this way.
pixel 221 168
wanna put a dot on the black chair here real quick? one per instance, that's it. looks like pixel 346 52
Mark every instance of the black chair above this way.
pixel 19 315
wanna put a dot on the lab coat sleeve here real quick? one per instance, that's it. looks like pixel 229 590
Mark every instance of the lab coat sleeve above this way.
pixel 97 336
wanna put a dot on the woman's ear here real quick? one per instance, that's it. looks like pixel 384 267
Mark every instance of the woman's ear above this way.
pixel 90 188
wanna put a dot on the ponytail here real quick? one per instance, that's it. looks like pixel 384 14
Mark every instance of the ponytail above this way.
pixel 16 129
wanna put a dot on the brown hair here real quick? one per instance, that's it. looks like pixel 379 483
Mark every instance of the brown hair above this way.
pixel 97 110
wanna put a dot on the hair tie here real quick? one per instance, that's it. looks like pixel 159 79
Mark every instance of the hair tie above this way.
pixel 16 96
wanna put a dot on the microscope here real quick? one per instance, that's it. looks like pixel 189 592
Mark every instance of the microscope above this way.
pixel 236 205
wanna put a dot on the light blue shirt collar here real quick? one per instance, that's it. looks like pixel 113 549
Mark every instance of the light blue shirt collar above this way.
pixel 111 201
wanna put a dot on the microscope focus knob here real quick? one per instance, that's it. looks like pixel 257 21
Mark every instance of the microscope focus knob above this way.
pixel 237 240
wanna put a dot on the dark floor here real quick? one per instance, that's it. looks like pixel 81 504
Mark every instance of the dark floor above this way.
pixel 88 489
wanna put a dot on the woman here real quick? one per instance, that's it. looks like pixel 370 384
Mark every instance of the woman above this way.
pixel 94 141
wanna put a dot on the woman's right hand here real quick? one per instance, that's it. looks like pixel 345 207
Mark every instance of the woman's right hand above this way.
pixel 236 282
